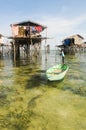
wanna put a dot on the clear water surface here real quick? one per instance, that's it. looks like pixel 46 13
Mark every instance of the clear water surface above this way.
pixel 28 101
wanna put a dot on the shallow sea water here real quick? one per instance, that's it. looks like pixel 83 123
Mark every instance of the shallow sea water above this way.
pixel 28 101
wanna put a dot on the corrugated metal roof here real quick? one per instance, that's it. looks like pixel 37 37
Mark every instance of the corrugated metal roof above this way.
pixel 29 23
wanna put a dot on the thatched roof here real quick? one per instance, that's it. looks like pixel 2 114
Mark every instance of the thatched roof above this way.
pixel 73 36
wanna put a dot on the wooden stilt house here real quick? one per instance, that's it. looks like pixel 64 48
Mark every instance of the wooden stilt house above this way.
pixel 72 43
pixel 27 34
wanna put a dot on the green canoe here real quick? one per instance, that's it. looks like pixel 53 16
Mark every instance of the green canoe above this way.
pixel 57 72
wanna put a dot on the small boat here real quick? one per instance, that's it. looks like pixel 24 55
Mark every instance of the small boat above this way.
pixel 57 72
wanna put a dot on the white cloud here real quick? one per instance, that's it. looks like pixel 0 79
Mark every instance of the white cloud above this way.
pixel 60 27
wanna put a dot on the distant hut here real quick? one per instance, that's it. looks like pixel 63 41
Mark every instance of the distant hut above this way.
pixel 71 43
pixel 73 40
pixel 27 34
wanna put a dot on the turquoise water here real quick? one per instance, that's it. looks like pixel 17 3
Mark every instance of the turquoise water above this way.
pixel 28 101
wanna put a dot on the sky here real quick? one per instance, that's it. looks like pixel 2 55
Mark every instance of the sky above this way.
pixel 63 18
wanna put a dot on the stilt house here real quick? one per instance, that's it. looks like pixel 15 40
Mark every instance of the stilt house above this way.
pixel 27 34
pixel 72 43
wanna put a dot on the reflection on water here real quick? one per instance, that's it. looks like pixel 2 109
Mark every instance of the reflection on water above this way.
pixel 28 101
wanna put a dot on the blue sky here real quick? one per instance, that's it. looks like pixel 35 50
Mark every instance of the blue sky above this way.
pixel 62 17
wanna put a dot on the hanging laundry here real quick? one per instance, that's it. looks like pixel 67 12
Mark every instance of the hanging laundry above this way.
pixel 38 28
pixel 21 31
pixel 15 30
pixel 33 29
pixel 27 28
